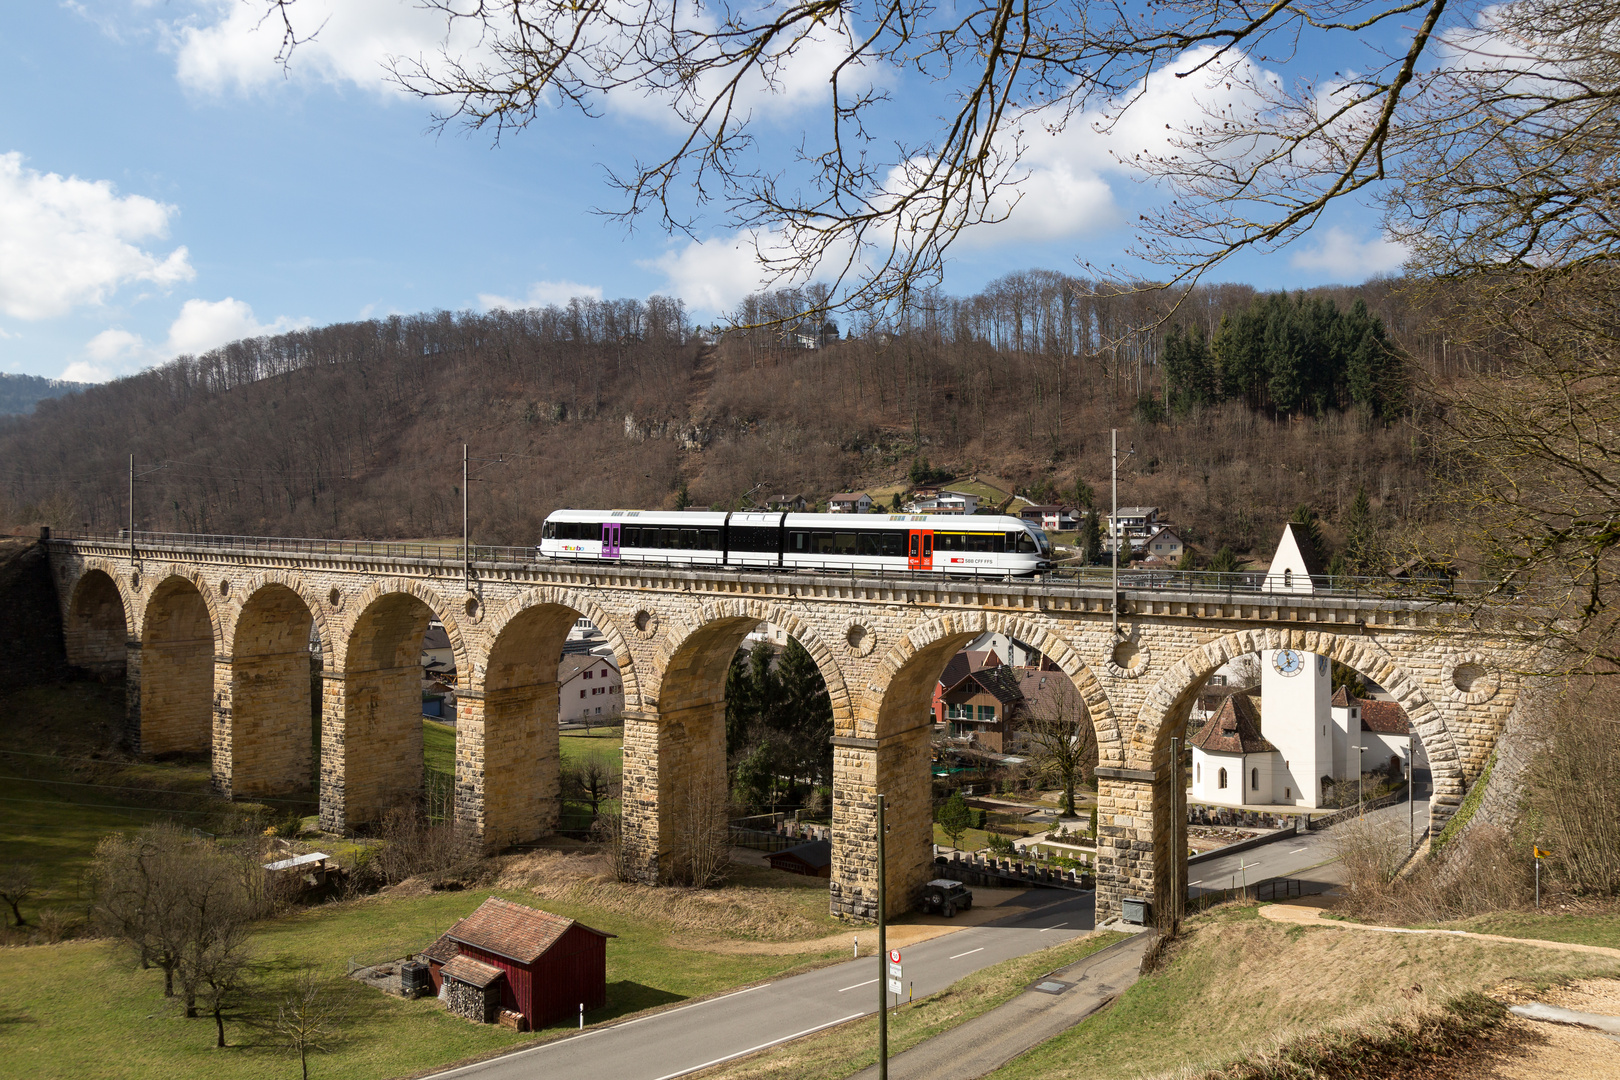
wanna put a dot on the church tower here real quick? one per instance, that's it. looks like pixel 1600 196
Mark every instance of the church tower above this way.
pixel 1296 694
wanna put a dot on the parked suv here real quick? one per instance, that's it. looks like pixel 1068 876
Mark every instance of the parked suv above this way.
pixel 946 897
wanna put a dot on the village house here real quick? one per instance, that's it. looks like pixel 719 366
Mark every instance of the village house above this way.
pixel 944 502
pixel 1052 517
pixel 520 959
pixel 1165 545
pixel 958 668
pixel 438 659
pixel 1133 523
pixel 791 504
pixel 850 502
pixel 588 688
pixel 980 708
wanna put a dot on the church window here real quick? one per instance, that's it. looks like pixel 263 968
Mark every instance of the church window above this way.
pixel 1220 779
pixel 1288 578
pixel 1198 773
pixel 1254 779
pixel 1288 793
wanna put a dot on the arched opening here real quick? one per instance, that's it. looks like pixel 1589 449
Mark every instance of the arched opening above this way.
pixel 97 632
pixel 520 778
pixel 371 735
pixel 269 739
pixel 177 671
pixel 1307 728
pixel 779 729
pixel 676 794
pixel 984 713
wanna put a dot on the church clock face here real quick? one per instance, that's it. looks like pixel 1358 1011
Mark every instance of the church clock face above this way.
pixel 1287 662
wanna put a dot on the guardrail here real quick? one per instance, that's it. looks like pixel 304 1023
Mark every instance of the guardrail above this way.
pixel 1435 590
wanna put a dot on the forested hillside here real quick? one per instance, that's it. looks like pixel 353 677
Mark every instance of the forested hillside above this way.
pixel 19 393
pixel 356 430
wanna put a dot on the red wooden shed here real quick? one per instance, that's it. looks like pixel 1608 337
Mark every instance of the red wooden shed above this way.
pixel 550 965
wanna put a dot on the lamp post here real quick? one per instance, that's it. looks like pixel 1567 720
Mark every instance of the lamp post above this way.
pixel 1411 791
pixel 133 475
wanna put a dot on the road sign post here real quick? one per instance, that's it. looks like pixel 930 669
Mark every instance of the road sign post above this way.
pixel 882 949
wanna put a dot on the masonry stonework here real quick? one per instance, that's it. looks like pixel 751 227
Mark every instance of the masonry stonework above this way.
pixel 214 663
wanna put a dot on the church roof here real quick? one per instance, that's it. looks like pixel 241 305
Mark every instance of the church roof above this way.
pixel 1380 717
pixel 1307 550
pixel 1235 729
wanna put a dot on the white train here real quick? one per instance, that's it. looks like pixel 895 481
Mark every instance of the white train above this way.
pixel 976 545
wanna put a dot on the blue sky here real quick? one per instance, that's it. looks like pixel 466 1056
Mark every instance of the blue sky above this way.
pixel 165 188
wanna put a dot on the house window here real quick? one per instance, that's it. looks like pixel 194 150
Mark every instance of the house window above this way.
pixel 590 674
pixel 582 693
pixel 1220 779
pixel 599 710
pixel 1254 779
pixel 987 712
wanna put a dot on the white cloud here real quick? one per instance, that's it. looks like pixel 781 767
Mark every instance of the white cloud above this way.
pixel 87 372
pixel 114 344
pixel 715 274
pixel 234 47
pixel 65 242
pixel 1339 254
pixel 542 294
pixel 205 325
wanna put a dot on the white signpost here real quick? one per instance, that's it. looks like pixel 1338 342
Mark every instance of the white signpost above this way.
pixel 895 983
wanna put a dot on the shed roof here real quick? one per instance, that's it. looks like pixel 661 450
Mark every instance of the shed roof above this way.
pixel 472 972
pixel 444 950
pixel 1235 729
pixel 512 930
pixel 815 853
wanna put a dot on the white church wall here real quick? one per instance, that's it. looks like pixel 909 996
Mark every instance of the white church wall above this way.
pixel 1207 775
pixel 1296 692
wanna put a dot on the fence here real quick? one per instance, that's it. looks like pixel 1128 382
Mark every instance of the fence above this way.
pixel 1268 890
pixel 1056 580
pixel 1318 823
pixel 378 958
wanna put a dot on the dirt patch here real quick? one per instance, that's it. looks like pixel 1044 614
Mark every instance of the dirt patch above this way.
pixel 1534 1050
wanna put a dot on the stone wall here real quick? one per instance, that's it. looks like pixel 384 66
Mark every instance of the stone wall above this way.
pixel 880 644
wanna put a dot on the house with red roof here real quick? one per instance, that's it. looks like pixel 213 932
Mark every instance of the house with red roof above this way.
pixel 516 958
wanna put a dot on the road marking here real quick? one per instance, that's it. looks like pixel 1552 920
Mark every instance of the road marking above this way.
pixel 1190 884
pixel 857 986
pixel 764 1045
pixel 594 1031
pixel 1296 851
pixel 1054 926
pixel 959 955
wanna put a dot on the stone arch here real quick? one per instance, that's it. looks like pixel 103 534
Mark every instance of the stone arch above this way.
pixel 180 637
pixel 888 750
pixel 436 603
pixel 683 633
pixel 587 606
pixel 99 622
pixel 508 761
pixel 313 602
pixel 1172 695
pixel 943 636
pixel 371 729
pixel 262 744
pixel 217 619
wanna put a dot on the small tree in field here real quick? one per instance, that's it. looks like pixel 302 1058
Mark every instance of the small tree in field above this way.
pixel 955 818
pixel 1060 738
pixel 17 882
pixel 307 1019
pixel 594 780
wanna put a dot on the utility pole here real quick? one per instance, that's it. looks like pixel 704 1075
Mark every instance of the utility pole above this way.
pixel 1361 801
pixel 466 558
pixel 1113 523
pixel 132 508
pixel 1411 785
pixel 1178 816
pixel 882 953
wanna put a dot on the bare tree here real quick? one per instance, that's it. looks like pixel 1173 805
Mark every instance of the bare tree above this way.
pixel 222 970
pixel 594 780
pixel 139 884
pixel 1058 733
pixel 307 1019
pixel 702 849
pixel 17 882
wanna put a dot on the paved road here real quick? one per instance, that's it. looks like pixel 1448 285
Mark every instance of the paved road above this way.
pixel 1293 856
pixel 691 1037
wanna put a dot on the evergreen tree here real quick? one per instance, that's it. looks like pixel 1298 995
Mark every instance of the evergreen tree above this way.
pixel 1084 496
pixel 1305 519
pixel 1091 541
pixel 803 716
pixel 894 502
pixel 1224 561
pixel 1362 554
pixel 741 710
pixel 955 817
pixel 1189 370
pixel 683 498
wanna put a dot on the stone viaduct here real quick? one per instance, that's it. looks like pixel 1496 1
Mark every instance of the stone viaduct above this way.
pixel 212 637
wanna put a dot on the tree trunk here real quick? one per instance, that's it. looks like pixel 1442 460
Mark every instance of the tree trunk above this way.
pixel 219 1022
pixel 16 912
pixel 168 980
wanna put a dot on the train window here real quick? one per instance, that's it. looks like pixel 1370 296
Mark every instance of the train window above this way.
pixel 669 539
pixel 948 542
pixel 711 540
pixel 913 545
pixel 871 543
pixel 894 544
pixel 1026 544
pixel 754 538
pixel 824 543
pixel 844 543
pixel 984 542
pixel 548 531
pixel 690 540
pixel 799 542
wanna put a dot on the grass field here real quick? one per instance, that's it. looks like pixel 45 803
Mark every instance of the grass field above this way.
pixel 1237 983
pixel 74 1010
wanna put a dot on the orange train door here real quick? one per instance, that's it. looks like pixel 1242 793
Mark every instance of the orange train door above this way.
pixel 920 550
